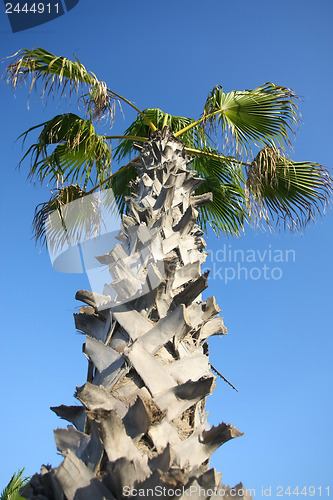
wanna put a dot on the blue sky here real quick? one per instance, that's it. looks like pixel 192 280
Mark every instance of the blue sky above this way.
pixel 279 349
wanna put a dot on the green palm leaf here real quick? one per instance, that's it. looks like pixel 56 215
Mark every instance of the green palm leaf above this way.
pixel 11 492
pixel 226 214
pixel 224 179
pixel 55 231
pixel 60 73
pixel 73 215
pixel 283 190
pixel 264 116
pixel 57 73
pixel 195 137
pixel 120 184
pixel 80 155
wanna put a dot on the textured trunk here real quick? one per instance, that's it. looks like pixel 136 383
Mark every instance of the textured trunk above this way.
pixel 142 424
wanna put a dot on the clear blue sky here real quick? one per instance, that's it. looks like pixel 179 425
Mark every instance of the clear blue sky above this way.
pixel 279 349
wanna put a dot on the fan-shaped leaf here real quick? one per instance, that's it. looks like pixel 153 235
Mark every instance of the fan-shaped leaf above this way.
pixel 281 189
pixel 56 231
pixel 73 215
pixel 81 155
pixel 60 73
pixel 264 116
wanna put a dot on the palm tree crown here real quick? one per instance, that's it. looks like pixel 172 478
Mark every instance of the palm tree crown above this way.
pixel 250 176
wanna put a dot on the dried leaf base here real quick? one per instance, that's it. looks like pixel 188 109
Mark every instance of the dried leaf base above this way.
pixel 142 424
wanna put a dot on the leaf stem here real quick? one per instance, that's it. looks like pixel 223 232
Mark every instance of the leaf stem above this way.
pixel 219 157
pixel 113 175
pixel 151 125
pixel 188 127
pixel 165 119
pixel 130 137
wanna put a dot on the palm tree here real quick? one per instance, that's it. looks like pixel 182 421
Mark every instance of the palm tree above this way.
pixel 142 423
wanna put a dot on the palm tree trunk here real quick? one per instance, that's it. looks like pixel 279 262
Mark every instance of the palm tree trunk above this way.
pixel 142 424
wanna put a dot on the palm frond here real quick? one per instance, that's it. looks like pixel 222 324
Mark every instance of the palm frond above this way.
pixel 57 73
pixel 72 216
pixel 279 189
pixel 226 214
pixel 80 155
pixel 49 223
pixel 224 179
pixel 195 137
pixel 69 151
pixel 11 491
pixel 265 116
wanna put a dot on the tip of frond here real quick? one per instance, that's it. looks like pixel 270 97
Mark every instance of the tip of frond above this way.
pixel 100 102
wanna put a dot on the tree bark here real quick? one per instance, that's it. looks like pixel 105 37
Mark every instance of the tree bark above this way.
pixel 142 426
